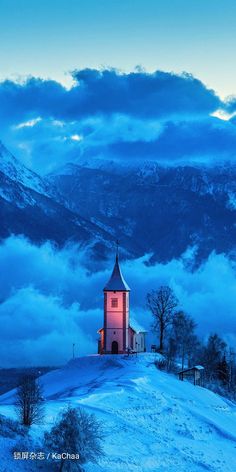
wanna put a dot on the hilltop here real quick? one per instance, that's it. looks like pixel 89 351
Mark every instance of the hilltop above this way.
pixel 152 421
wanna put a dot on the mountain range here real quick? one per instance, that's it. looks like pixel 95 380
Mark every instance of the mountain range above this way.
pixel 150 208
pixel 31 206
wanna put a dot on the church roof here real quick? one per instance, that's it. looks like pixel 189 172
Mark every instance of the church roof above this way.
pixel 135 326
pixel 116 283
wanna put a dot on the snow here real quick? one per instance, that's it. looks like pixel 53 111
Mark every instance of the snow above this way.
pixel 152 421
pixel 231 204
pixel 136 326
pixel 18 173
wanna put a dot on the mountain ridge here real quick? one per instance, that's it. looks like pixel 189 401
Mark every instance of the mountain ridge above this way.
pixel 164 210
pixel 151 209
pixel 32 206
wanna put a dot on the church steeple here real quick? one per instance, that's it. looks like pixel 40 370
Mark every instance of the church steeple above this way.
pixel 116 283
pixel 117 336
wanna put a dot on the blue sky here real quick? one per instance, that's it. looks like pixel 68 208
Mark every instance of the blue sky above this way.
pixel 51 38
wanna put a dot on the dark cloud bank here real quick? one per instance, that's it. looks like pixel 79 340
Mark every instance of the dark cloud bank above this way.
pixel 110 115
pixel 137 94
pixel 49 300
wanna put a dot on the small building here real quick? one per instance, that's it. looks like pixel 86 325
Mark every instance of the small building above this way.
pixel 193 375
pixel 117 336
pixel 137 337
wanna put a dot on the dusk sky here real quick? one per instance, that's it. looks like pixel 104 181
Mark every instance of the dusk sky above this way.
pixel 51 38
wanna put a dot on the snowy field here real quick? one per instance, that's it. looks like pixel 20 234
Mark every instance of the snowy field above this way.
pixel 152 421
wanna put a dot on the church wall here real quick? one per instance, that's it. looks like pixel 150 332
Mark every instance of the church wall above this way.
pixel 139 338
pixel 115 319
pixel 114 295
pixel 116 316
pixel 131 338
pixel 114 335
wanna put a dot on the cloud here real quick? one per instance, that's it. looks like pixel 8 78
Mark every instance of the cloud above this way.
pixel 50 144
pixel 47 146
pixel 26 101
pixel 208 294
pixel 104 112
pixel 144 94
pixel 208 141
pixel 44 304
pixel 107 92
pixel 33 325
pixel 111 115
pixel 50 299
pixel 29 123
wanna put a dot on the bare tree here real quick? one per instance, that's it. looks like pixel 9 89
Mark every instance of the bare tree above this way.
pixel 170 353
pixel 162 304
pixel 213 353
pixel 232 371
pixel 183 336
pixel 223 371
pixel 29 401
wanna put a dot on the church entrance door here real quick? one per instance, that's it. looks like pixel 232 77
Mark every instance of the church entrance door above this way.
pixel 114 347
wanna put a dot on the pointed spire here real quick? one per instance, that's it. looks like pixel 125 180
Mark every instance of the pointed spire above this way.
pixel 117 250
pixel 117 281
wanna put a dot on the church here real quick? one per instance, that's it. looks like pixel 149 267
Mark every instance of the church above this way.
pixel 118 336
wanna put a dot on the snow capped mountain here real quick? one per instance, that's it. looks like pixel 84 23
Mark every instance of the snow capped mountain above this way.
pixel 157 209
pixel 152 421
pixel 149 208
pixel 32 206
pixel 17 172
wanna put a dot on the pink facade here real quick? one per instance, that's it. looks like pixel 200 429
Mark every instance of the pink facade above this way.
pixel 116 321
pixel 117 336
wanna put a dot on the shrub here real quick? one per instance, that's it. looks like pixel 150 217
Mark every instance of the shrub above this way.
pixel 10 428
pixel 76 432
pixel 161 364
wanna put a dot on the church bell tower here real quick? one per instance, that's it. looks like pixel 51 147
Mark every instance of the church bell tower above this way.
pixel 115 331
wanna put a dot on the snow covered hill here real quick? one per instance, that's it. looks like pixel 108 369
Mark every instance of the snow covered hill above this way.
pixel 152 421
